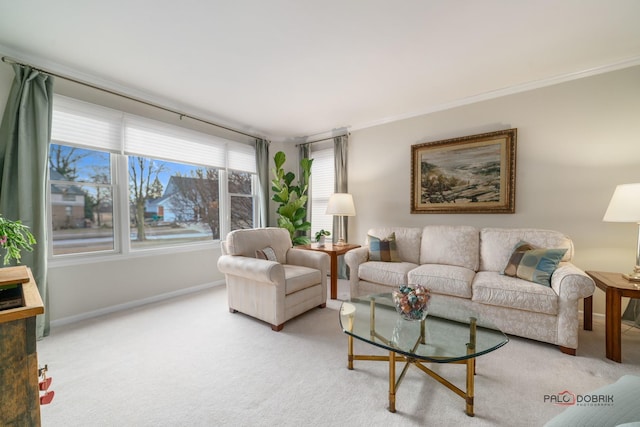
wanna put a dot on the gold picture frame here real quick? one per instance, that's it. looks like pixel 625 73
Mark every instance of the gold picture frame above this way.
pixel 470 174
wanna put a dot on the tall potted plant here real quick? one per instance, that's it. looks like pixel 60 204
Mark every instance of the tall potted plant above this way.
pixel 292 199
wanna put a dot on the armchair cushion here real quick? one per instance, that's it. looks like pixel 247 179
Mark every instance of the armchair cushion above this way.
pixel 267 253
pixel 298 277
pixel 247 242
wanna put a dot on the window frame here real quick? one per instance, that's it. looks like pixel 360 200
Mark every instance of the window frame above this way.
pixel 122 247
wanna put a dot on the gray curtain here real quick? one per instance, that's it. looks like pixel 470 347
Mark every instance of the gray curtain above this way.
pixel 25 133
pixel 262 166
pixel 304 152
pixel 631 315
pixel 340 144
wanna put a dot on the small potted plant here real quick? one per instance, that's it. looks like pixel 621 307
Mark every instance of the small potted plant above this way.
pixel 320 237
pixel 14 238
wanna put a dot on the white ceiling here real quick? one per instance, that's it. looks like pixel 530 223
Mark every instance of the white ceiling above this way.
pixel 294 68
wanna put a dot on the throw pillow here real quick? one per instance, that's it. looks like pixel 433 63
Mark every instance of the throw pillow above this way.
pixel 383 249
pixel 267 253
pixel 533 264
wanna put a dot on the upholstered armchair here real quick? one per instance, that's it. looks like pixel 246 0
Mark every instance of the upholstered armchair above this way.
pixel 269 279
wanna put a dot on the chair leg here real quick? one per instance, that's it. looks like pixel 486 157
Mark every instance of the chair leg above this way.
pixel 277 328
pixel 232 310
pixel 323 305
pixel 567 350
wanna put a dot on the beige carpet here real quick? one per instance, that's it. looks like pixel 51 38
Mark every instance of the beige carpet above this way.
pixel 189 362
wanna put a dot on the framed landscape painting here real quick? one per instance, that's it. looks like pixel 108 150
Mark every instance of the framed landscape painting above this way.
pixel 471 174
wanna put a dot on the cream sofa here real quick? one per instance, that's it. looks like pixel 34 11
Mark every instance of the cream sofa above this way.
pixel 272 290
pixel 465 264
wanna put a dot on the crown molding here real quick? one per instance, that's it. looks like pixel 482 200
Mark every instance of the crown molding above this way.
pixel 510 90
pixel 84 77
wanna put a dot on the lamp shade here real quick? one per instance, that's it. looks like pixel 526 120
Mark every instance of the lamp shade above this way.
pixel 341 204
pixel 624 205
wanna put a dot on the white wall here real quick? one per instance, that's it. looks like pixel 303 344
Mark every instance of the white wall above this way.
pixel 576 142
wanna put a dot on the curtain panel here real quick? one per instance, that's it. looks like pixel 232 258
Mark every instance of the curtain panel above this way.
pixel 340 148
pixel 262 167
pixel 25 133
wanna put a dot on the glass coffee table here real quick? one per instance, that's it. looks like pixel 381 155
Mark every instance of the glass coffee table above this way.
pixel 374 320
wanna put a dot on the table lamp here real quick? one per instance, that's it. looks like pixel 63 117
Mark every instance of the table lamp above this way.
pixel 341 204
pixel 625 207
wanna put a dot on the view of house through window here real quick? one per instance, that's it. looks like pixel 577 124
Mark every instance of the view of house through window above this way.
pixel 160 202
pixel 81 199
pixel 172 202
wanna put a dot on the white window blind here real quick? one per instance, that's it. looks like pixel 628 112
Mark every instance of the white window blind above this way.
pixel 322 186
pixel 150 138
pixel 242 157
pixel 87 125
pixel 82 124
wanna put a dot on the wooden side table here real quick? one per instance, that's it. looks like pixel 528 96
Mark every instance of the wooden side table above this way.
pixel 333 251
pixel 615 287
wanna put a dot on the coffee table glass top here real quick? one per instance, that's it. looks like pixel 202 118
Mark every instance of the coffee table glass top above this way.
pixel 375 320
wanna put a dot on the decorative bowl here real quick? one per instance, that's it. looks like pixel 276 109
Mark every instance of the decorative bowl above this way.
pixel 412 302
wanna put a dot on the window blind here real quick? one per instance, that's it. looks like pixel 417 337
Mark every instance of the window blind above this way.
pixel 322 186
pixel 82 124
pixel 150 138
pixel 87 125
pixel 242 157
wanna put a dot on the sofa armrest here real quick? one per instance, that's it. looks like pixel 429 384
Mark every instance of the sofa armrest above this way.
pixel 571 283
pixel 307 258
pixel 355 257
pixel 259 270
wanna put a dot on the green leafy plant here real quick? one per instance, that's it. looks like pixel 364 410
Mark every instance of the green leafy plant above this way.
pixel 322 233
pixel 292 199
pixel 14 238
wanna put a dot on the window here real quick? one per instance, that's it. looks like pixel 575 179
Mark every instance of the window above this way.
pixel 242 197
pixel 172 202
pixel 121 183
pixel 81 200
pixel 322 187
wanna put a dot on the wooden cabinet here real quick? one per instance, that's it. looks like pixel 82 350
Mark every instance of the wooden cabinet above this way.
pixel 19 394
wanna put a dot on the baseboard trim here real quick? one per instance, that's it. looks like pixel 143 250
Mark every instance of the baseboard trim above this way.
pixel 133 304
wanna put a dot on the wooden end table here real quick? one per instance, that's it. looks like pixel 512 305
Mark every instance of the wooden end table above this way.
pixel 615 287
pixel 333 250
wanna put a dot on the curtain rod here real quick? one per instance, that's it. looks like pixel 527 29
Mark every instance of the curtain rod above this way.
pixel 131 98
pixel 320 140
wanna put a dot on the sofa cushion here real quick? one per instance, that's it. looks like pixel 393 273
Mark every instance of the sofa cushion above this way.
pixel 443 279
pixel 452 245
pixel 533 264
pixel 386 273
pixel 407 241
pixel 496 244
pixel 383 249
pixel 298 277
pixel 493 288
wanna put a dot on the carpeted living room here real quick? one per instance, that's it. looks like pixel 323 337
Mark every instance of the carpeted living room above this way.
pixel 450 154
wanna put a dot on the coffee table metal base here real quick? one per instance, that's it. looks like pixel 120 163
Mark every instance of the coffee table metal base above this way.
pixel 394 357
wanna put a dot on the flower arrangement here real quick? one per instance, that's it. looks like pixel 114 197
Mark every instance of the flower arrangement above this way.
pixel 14 238
pixel 412 303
